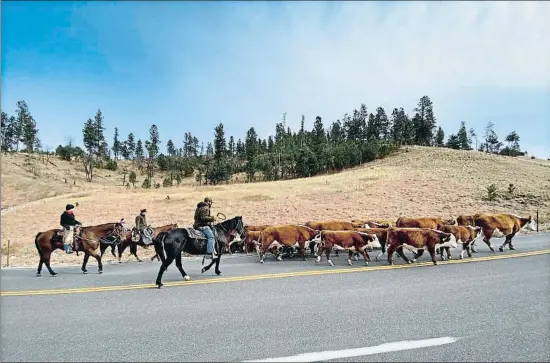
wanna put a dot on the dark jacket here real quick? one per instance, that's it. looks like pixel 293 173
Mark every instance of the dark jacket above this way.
pixel 202 215
pixel 68 219
pixel 141 222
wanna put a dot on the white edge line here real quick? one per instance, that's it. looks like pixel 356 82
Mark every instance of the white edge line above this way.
pixel 357 352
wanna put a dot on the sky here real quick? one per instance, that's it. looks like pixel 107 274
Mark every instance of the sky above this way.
pixel 187 66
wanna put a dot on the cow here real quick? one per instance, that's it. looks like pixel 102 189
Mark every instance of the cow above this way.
pixel 331 225
pixel 351 240
pixel 251 238
pixel 256 228
pixel 371 223
pixel 284 235
pixel 502 225
pixel 464 235
pixel 381 235
pixel 467 220
pixel 424 222
pixel 415 239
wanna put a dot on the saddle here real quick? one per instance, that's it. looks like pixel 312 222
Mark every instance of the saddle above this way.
pixel 146 236
pixel 195 233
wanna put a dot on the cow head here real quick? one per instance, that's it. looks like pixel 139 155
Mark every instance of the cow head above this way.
pixel 450 222
pixel 371 240
pixel 477 231
pixel 531 225
pixel 446 240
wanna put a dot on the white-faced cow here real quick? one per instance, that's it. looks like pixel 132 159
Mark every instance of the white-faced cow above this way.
pixel 467 220
pixel 464 235
pixel 284 235
pixel 502 225
pixel 345 240
pixel 415 240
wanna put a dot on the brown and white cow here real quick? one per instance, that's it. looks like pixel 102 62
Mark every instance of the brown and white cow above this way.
pixel 467 220
pixel 415 239
pixel 256 227
pixel 250 240
pixel 464 235
pixel 423 222
pixel 371 223
pixel 288 235
pixel 333 225
pixel 345 240
pixel 381 235
pixel 502 225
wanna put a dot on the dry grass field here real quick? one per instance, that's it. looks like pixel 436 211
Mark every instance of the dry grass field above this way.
pixel 417 181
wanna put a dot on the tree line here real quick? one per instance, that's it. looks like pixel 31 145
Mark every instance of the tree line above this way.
pixel 357 138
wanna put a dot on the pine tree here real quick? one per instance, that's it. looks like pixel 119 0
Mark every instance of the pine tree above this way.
pixel 463 139
pixel 382 124
pixel 251 148
pixel 139 150
pixel 424 121
pixel 170 148
pixel 117 147
pixel 219 142
pixel 131 145
pixel 27 131
pixel 440 137
pixel 231 147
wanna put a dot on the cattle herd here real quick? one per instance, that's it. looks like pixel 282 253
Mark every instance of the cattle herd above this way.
pixel 413 234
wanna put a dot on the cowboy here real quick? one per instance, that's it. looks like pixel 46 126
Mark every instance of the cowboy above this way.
pixel 203 222
pixel 68 222
pixel 141 222
pixel 123 224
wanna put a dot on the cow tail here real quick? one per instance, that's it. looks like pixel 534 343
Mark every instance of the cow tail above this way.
pixel 159 246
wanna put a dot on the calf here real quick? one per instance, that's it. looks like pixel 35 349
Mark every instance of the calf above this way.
pixel 502 225
pixel 284 235
pixel 463 235
pixel 415 239
pixel 345 240
pixel 250 240
pixel 467 220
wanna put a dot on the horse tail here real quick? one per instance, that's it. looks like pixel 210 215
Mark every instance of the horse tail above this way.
pixel 37 244
pixel 159 246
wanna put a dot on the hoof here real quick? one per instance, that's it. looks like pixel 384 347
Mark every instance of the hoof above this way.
pixel 38 274
pixel 461 257
pixel 261 261
pixel 330 263
pixel 500 249
pixel 218 273
pixel 100 271
pixel 349 262
pixel 366 263
pixel 409 261
pixel 203 270
pixel 159 285
pixel 512 248
pixel 54 274
pixel 435 263
pixel 119 261
pixel 84 272
pixel 187 278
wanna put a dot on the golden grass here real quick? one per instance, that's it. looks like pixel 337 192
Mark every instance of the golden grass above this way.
pixel 418 181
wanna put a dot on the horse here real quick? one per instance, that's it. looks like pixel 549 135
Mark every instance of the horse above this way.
pixel 133 245
pixel 86 238
pixel 193 242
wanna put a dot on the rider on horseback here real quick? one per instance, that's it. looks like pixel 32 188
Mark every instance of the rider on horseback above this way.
pixel 141 224
pixel 68 222
pixel 203 222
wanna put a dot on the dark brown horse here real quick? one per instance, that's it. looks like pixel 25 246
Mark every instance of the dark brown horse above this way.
pixel 133 245
pixel 87 239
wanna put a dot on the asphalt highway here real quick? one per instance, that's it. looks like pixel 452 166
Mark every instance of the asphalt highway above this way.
pixel 495 309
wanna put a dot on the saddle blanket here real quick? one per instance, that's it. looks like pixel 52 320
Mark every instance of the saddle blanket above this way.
pixel 195 233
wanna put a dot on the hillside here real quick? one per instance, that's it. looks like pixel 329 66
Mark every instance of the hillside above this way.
pixel 417 181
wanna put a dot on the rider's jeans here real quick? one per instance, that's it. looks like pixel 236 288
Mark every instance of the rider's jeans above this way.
pixel 209 239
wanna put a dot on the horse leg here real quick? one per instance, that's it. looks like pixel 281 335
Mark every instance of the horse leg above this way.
pixel 179 265
pixel 84 262
pixel 121 247
pixel 170 254
pixel 98 258
pixel 112 251
pixel 133 251
pixel 102 248
pixel 46 261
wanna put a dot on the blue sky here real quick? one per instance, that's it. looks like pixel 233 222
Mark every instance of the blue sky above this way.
pixel 188 66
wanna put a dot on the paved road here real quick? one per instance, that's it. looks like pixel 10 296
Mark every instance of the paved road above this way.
pixel 488 311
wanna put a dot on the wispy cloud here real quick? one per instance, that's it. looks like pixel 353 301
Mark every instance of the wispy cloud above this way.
pixel 246 63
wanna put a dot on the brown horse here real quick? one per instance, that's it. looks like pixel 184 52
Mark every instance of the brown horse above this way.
pixel 133 245
pixel 87 239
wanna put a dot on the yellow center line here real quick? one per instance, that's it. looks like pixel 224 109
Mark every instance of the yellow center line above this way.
pixel 264 276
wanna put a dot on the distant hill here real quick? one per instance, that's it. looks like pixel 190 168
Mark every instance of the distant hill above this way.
pixel 417 181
